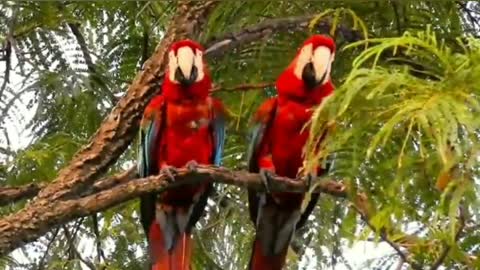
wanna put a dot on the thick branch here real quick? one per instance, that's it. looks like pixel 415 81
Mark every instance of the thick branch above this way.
pixel 123 187
pixel 110 140
pixel 65 210
pixel 13 194
pixel 269 27
pixel 119 128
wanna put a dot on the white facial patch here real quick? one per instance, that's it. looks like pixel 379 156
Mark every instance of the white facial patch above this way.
pixel 185 60
pixel 172 66
pixel 303 59
pixel 322 62
pixel 198 62
pixel 321 58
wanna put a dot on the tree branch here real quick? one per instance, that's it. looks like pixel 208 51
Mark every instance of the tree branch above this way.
pixel 7 57
pixel 96 79
pixel 362 207
pixel 123 187
pixel 242 87
pixel 63 210
pixel 41 264
pixel 110 140
pixel 13 194
pixel 217 46
pixel 58 203
pixel 443 255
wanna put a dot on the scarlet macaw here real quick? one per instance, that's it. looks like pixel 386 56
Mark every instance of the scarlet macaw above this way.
pixel 183 126
pixel 276 147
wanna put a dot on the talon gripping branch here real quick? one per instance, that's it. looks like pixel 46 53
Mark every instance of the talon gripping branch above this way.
pixel 276 147
pixel 183 126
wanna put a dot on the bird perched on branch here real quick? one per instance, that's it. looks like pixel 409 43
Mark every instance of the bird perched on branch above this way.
pixel 182 127
pixel 277 144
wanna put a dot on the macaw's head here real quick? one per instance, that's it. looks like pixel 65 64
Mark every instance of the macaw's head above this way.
pixel 187 76
pixel 308 75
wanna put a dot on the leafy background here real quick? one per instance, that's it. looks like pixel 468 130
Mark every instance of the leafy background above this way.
pixel 407 125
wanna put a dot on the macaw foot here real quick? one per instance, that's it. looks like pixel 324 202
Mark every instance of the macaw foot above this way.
pixel 266 177
pixel 192 166
pixel 170 172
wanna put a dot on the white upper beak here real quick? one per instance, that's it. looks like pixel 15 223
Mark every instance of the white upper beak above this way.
pixel 321 62
pixel 185 58
pixel 321 58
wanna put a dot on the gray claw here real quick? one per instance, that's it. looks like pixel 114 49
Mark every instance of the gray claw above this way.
pixel 192 165
pixel 170 171
pixel 266 179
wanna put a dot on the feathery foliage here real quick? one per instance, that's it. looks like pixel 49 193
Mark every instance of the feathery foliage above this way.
pixel 404 115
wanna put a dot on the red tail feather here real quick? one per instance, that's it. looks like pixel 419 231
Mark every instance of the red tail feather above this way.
pixel 176 259
pixel 259 261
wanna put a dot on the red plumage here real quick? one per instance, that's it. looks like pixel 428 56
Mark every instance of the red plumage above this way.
pixel 181 126
pixel 278 147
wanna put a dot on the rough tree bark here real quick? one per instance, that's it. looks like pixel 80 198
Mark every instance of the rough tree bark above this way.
pixel 121 188
pixel 110 140
pixel 290 24
pixel 61 201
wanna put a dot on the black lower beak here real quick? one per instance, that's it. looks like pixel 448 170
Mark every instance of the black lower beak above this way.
pixel 184 81
pixel 308 77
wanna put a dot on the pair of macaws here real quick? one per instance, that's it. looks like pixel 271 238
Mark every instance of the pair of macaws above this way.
pixel 184 127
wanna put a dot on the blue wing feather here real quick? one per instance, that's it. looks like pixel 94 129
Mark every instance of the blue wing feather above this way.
pixel 258 132
pixel 148 140
pixel 256 137
pixel 219 136
pixel 147 164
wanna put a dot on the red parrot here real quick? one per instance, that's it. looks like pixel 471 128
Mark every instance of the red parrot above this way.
pixel 277 147
pixel 181 127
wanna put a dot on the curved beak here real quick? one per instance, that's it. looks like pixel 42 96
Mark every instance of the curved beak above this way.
pixel 315 72
pixel 186 72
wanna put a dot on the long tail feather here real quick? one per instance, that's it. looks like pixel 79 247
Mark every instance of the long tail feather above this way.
pixel 178 258
pixel 260 261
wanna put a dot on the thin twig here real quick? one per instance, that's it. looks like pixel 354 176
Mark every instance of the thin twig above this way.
pixel 144 46
pixel 443 255
pixel 92 69
pixel 465 9
pixel 383 235
pixel 41 264
pixel 73 251
pixel 242 87
pixel 98 241
pixel 7 58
